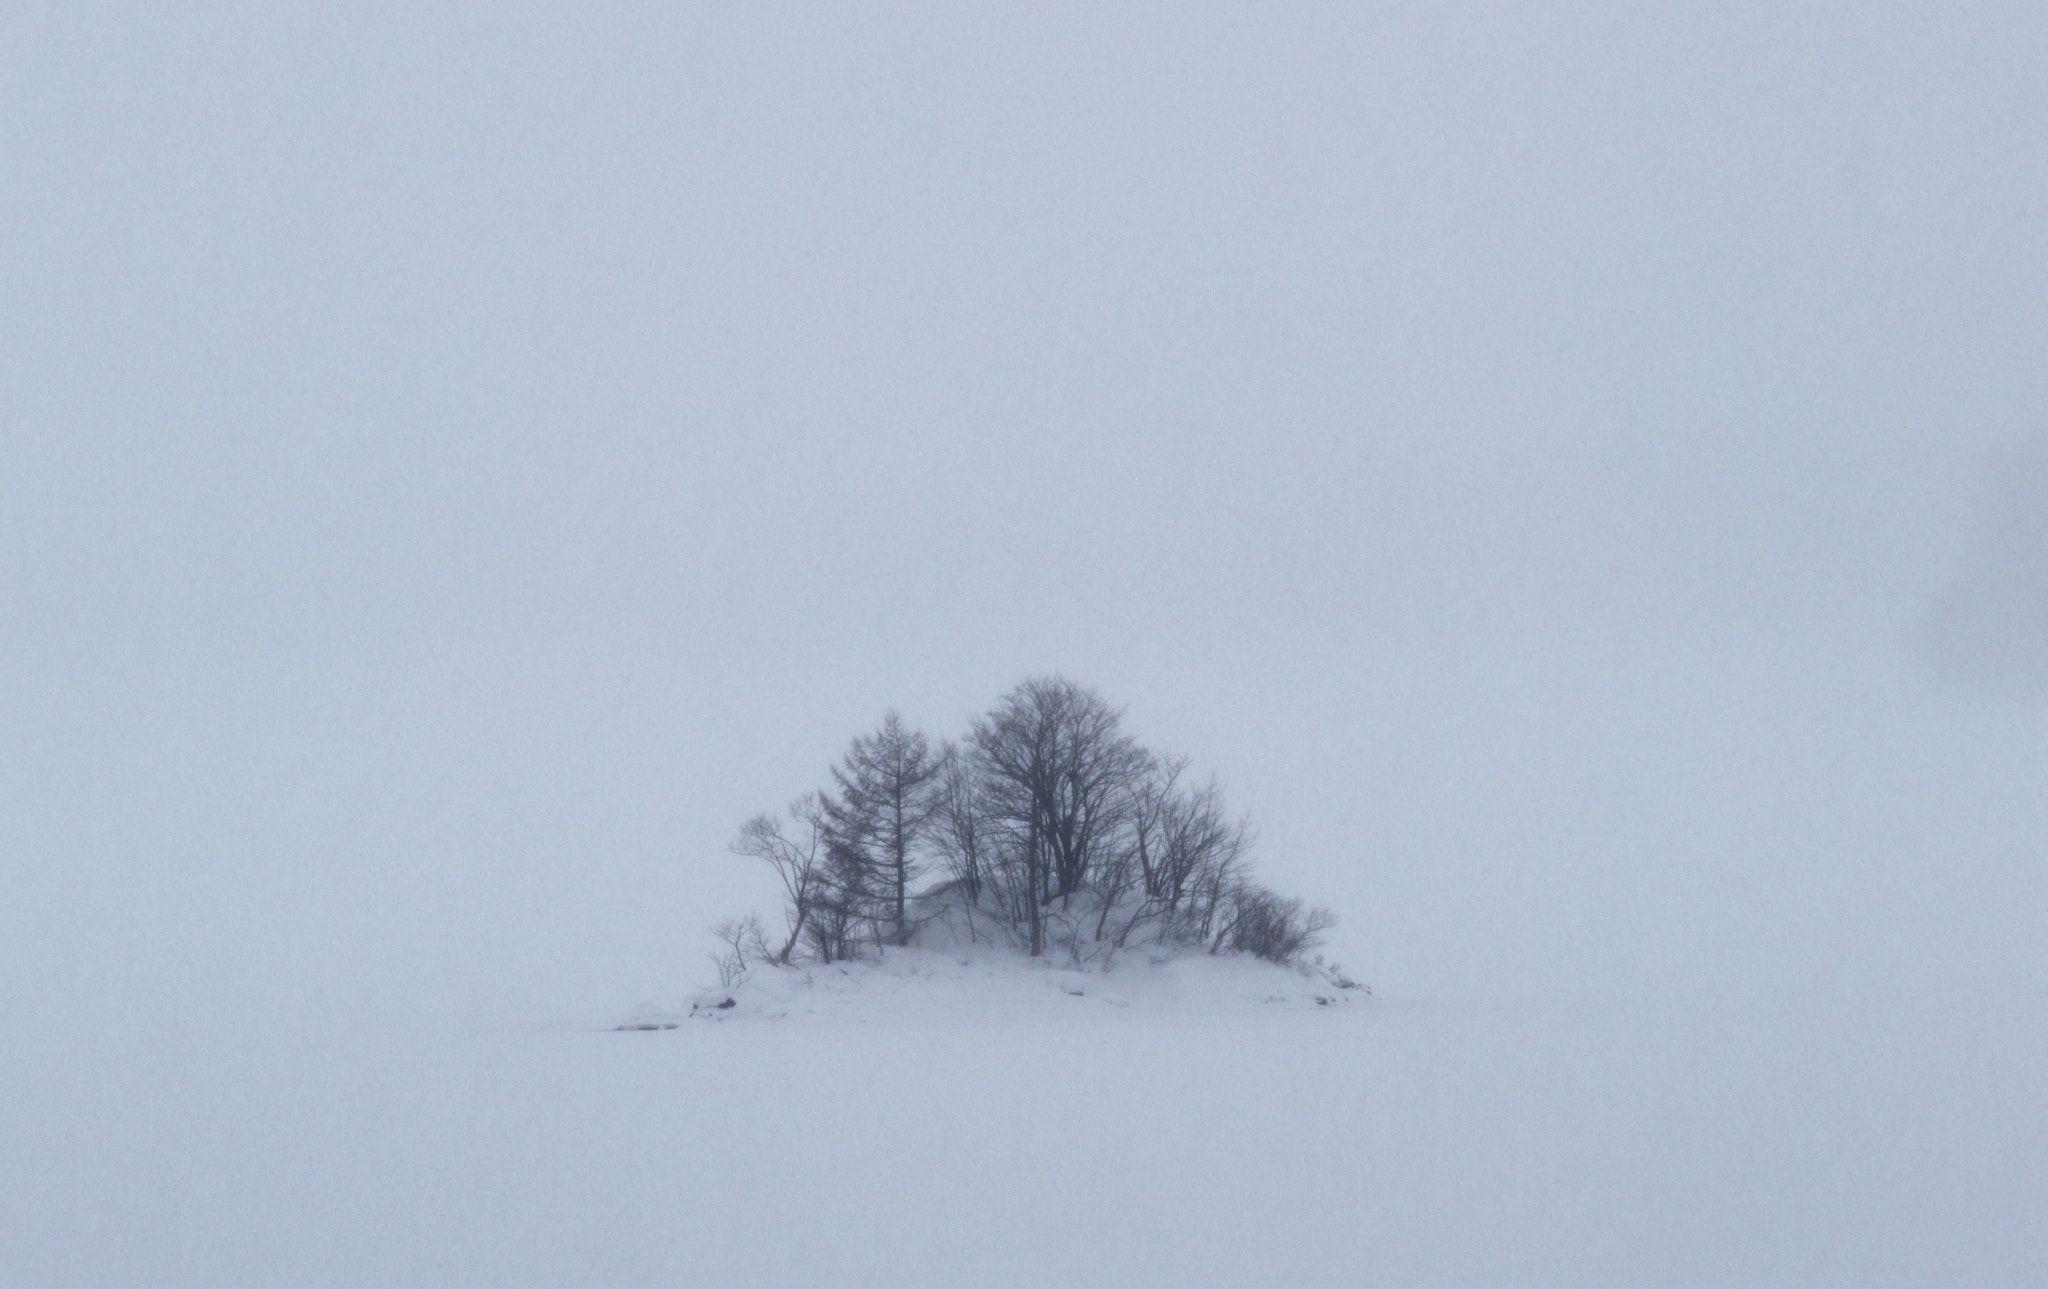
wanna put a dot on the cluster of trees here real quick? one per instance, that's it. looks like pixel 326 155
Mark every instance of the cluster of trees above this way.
pixel 1046 827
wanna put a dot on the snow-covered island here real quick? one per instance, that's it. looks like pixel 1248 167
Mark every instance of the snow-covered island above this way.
pixel 947 971
pixel 1045 857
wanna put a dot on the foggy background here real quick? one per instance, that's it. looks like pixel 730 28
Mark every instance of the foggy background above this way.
pixel 1574 472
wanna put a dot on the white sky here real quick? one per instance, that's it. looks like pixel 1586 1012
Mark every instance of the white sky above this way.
pixel 1571 470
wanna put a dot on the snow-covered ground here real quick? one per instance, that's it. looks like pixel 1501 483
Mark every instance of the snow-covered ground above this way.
pixel 899 1138
pixel 980 982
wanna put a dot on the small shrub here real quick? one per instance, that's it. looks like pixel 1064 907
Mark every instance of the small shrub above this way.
pixel 1269 926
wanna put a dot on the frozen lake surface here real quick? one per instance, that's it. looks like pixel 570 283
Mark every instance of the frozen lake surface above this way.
pixel 1401 1141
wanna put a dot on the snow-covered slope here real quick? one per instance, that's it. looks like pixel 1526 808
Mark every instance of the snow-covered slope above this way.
pixel 985 981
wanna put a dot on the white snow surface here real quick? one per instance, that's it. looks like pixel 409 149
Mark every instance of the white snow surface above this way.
pixel 978 982
pixel 928 1123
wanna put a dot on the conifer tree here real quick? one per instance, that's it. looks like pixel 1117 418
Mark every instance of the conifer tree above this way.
pixel 878 820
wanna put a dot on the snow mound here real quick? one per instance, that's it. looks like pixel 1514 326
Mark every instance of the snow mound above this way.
pixel 968 983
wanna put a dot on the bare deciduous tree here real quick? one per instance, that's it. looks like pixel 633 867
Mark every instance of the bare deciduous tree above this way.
pixel 797 861
pixel 1056 774
pixel 745 941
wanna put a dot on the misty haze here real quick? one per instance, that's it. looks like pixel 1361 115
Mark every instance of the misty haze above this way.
pixel 1576 477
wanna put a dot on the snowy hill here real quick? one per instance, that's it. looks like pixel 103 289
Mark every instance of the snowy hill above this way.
pixel 961 962
pixel 996 982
